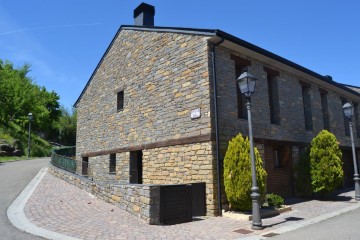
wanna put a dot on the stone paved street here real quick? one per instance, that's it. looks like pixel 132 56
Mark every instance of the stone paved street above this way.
pixel 61 207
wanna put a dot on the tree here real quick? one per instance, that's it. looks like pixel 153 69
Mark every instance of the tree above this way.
pixel 325 163
pixel 237 174
pixel 19 96
pixel 67 127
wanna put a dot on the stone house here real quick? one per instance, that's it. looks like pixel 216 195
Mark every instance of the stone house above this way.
pixel 162 104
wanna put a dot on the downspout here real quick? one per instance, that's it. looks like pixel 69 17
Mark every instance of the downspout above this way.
pixel 216 123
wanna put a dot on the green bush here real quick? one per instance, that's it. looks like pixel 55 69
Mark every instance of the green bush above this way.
pixel 274 200
pixel 237 174
pixel 303 175
pixel 325 163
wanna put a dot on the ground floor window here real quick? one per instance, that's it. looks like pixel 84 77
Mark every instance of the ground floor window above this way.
pixel 136 168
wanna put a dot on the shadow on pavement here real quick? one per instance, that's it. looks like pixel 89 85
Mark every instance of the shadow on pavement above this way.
pixel 288 219
pixel 335 196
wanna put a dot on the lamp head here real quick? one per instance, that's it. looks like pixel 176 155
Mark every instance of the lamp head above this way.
pixel 246 83
pixel 348 110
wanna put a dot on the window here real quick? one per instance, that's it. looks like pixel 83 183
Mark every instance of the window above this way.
pixel 112 163
pixel 85 166
pixel 346 120
pixel 325 109
pixel 241 65
pixel 273 93
pixel 277 158
pixel 356 118
pixel 282 156
pixel 136 168
pixel 120 100
pixel 306 88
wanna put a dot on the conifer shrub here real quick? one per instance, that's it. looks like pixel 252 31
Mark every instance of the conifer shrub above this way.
pixel 325 163
pixel 237 174
pixel 303 175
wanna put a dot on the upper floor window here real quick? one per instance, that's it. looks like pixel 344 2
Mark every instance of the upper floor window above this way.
pixel 241 65
pixel 120 100
pixel 273 93
pixel 357 118
pixel 325 108
pixel 306 88
pixel 346 120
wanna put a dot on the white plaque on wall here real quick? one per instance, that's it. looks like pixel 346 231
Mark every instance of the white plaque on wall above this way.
pixel 196 113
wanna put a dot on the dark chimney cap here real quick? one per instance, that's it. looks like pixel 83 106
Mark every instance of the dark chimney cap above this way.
pixel 144 7
pixel 328 77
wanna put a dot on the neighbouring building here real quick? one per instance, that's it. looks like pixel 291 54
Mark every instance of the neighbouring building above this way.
pixel 147 114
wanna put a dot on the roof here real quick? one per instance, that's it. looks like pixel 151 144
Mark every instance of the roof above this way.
pixel 225 36
pixel 355 88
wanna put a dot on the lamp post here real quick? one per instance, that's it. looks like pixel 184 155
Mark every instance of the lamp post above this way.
pixel 349 112
pixel 247 83
pixel 30 117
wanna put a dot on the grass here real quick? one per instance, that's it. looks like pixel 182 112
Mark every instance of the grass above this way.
pixel 10 159
pixel 39 147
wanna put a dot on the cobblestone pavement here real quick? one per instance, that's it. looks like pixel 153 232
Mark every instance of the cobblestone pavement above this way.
pixel 61 207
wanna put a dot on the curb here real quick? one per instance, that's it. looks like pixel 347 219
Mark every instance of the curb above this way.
pixel 17 216
pixel 303 223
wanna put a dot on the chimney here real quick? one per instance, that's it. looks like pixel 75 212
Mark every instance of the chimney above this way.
pixel 328 77
pixel 144 15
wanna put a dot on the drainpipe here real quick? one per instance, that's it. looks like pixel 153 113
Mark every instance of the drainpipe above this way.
pixel 216 123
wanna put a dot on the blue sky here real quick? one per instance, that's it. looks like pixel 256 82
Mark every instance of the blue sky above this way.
pixel 63 41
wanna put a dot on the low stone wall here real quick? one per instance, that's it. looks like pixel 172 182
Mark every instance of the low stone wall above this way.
pixel 142 201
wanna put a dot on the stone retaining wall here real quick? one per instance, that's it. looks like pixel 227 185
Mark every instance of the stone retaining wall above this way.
pixel 140 200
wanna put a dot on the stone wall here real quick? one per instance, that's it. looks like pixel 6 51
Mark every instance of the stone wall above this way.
pixel 163 75
pixel 292 122
pixel 142 201
pixel 183 164
pixel 291 129
pixel 179 164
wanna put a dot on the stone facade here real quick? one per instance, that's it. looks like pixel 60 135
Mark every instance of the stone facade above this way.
pixel 164 75
pixel 163 78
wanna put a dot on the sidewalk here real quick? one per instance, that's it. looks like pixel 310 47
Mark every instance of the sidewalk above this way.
pixel 55 209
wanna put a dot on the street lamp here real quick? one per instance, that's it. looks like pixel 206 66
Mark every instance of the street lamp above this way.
pixel 247 83
pixel 30 117
pixel 349 112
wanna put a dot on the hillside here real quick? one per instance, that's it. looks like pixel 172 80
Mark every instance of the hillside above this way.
pixel 16 137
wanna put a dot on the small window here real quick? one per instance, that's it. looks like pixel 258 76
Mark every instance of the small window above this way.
pixel 346 120
pixel 85 166
pixel 273 93
pixel 120 100
pixel 112 163
pixel 325 109
pixel 306 89
pixel 357 118
pixel 241 65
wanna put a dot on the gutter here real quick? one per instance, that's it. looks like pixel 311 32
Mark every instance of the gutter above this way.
pixel 216 123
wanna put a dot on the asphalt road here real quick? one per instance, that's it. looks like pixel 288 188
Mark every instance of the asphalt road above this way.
pixel 14 176
pixel 345 226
